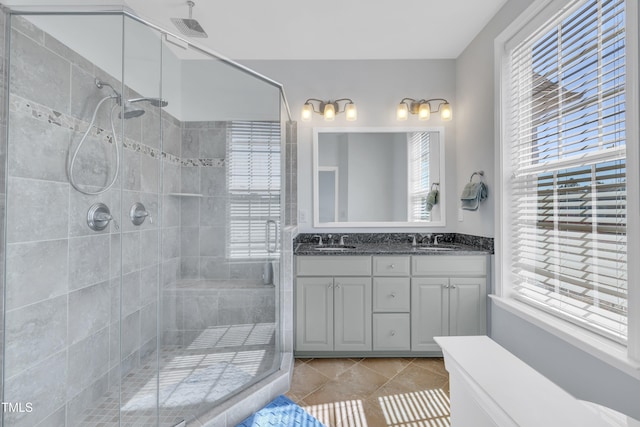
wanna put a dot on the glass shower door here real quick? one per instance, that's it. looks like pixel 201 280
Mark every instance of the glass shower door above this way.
pixel 62 332
pixel 143 220
pixel 219 310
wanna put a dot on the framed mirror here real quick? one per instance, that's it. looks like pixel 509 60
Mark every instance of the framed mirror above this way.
pixel 378 177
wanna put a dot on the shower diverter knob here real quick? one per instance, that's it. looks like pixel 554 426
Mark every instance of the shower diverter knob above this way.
pixel 138 213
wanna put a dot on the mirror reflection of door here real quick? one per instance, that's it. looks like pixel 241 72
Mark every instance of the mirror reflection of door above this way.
pixel 328 189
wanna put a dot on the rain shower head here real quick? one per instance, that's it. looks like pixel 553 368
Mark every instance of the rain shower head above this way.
pixel 189 26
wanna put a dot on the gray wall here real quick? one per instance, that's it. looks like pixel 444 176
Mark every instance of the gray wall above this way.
pixel 573 369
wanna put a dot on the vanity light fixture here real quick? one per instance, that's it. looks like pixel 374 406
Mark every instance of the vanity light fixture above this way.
pixel 329 109
pixel 423 108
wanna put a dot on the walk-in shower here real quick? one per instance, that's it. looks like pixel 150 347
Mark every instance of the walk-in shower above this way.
pixel 141 245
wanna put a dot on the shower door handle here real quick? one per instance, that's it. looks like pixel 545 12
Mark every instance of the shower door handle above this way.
pixel 267 240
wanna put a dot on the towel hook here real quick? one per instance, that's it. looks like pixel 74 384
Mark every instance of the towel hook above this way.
pixel 481 173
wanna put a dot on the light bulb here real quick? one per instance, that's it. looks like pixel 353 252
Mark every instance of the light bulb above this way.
pixel 351 112
pixel 307 112
pixel 329 112
pixel 402 113
pixel 445 112
pixel 424 111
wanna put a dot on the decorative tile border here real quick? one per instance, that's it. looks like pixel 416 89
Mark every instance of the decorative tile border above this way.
pixel 48 115
pixel 216 163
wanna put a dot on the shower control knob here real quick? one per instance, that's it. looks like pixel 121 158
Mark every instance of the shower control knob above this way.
pixel 138 213
pixel 99 216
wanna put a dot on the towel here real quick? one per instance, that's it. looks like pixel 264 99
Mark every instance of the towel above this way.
pixel 432 199
pixel 472 194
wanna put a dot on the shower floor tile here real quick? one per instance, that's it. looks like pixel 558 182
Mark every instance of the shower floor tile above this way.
pixel 191 380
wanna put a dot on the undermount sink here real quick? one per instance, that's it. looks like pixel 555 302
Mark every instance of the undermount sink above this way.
pixel 434 248
pixel 334 248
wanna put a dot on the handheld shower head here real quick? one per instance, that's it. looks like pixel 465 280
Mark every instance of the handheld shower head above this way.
pixel 130 111
pixel 156 102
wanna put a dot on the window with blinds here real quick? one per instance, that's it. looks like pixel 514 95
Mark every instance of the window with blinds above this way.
pixel 253 178
pixel 566 132
pixel 419 184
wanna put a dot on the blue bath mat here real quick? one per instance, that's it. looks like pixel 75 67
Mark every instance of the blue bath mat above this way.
pixel 281 412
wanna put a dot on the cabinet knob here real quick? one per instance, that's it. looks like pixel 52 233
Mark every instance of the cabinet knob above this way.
pixel 329 286
pixel 453 286
pixel 392 295
pixel 446 286
pixel 392 266
pixel 338 285
pixel 393 333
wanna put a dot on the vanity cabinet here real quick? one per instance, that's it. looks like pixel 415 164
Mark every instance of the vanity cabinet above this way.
pixel 384 304
pixel 449 300
pixel 333 313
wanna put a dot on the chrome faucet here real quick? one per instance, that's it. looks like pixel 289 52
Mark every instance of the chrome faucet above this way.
pixel 342 240
pixel 413 240
pixel 435 239
pixel 319 239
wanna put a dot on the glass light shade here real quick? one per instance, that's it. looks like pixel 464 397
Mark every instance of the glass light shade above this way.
pixel 402 113
pixel 445 112
pixel 307 112
pixel 329 112
pixel 351 112
pixel 424 111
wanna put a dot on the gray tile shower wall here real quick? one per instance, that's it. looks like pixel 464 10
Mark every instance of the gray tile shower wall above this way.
pixel 67 338
pixel 203 219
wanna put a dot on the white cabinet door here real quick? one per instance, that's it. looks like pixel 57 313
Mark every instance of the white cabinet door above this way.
pixel 314 314
pixel 429 312
pixel 468 306
pixel 352 313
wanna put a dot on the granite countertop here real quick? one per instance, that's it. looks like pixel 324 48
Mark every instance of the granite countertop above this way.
pixel 387 248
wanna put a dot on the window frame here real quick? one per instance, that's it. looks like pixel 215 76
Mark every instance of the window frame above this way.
pixel 626 358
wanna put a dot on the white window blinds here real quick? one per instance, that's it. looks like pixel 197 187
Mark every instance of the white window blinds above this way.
pixel 253 178
pixel 566 130
pixel 419 184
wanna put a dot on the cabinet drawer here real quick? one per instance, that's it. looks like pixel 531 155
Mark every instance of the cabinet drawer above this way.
pixel 391 265
pixel 463 265
pixel 391 331
pixel 391 294
pixel 333 265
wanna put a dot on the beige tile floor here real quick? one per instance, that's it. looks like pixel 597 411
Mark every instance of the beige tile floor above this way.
pixel 373 392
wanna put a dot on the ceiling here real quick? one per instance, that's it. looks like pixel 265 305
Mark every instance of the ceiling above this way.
pixel 327 29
